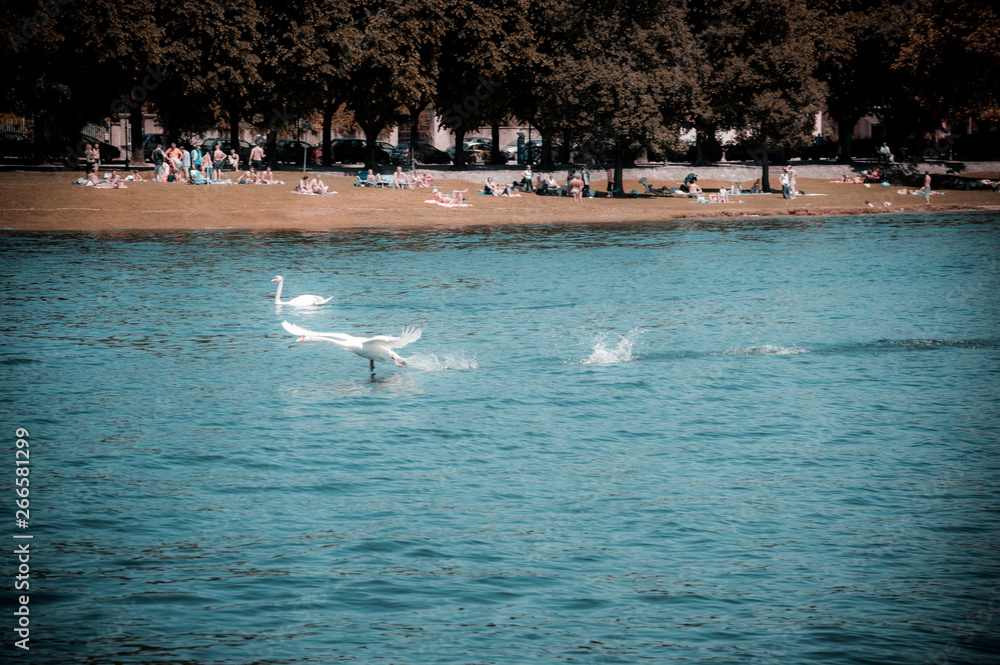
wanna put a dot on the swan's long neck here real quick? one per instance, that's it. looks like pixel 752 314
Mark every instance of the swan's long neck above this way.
pixel 277 296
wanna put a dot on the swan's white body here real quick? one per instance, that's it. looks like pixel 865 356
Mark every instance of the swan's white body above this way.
pixel 307 300
pixel 378 348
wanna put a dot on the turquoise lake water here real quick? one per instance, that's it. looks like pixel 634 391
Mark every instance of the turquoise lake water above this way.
pixel 756 441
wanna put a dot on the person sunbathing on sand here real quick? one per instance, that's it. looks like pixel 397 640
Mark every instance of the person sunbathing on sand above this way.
pixel 453 200
pixel 317 186
pixel 114 182
pixel 267 178
pixel 426 180
pixel 693 188
pixel 723 195
pixel 303 186
pixel 249 178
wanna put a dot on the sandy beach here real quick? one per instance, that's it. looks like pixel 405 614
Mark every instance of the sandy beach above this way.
pixel 49 201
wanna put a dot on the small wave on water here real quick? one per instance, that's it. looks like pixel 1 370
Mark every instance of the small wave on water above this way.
pixel 604 354
pixel 766 350
pixel 937 343
pixel 433 362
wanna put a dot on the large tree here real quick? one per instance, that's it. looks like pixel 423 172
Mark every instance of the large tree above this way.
pixel 386 63
pixel 484 50
pixel 856 44
pixel 762 81
pixel 219 62
pixel 952 50
pixel 620 83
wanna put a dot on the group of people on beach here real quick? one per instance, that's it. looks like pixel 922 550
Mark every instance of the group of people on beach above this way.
pixel 400 179
pixel 255 177
pixel 178 164
pixel 314 186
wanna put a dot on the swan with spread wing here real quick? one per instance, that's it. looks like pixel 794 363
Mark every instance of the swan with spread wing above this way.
pixel 380 347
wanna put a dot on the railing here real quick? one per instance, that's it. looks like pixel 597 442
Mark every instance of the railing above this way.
pixel 15 125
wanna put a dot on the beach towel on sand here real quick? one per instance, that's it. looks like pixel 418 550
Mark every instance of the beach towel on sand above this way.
pixel 450 205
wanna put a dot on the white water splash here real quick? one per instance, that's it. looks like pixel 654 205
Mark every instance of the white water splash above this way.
pixel 767 350
pixel 432 362
pixel 603 354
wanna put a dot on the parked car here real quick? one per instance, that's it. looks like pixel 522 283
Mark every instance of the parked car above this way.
pixel 532 149
pixel 243 149
pixel 149 142
pixel 426 154
pixel 16 145
pixel 290 151
pixel 744 152
pixel 476 149
pixel 71 148
pixel 355 151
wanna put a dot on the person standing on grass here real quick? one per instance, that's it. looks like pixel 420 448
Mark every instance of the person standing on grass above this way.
pixel 95 152
pixel 219 158
pixel 576 188
pixel 526 179
pixel 610 175
pixel 256 157
pixel 159 159
pixel 185 164
pixel 206 164
pixel 88 153
pixel 785 188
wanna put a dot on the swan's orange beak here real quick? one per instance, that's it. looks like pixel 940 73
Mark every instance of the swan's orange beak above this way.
pixel 301 339
pixel 275 279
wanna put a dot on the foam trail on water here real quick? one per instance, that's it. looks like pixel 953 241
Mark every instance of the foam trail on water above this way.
pixel 603 354
pixel 767 350
pixel 432 362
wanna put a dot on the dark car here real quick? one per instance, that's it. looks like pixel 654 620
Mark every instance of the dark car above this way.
pixel 71 149
pixel 243 149
pixel 355 151
pixel 16 145
pixel 426 154
pixel 289 151
pixel 745 152
pixel 149 142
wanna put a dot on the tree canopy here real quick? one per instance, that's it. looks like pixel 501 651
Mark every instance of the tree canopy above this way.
pixel 600 77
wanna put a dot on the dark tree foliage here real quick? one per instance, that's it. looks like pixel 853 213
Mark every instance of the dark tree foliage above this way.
pixel 600 79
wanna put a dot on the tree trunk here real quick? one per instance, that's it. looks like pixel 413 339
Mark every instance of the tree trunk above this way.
pixel 566 149
pixel 546 149
pixel 619 165
pixel 328 110
pixel 372 130
pixel 234 127
pixel 765 183
pixel 271 151
pixel 844 139
pixel 495 157
pixel 459 162
pixel 136 129
pixel 415 112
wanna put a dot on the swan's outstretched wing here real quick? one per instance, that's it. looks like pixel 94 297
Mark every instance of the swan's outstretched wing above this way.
pixel 299 330
pixel 408 335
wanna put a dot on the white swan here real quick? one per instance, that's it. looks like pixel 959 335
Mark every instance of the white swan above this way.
pixel 298 301
pixel 375 348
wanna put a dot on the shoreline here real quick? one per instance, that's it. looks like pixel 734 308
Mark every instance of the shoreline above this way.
pixel 49 202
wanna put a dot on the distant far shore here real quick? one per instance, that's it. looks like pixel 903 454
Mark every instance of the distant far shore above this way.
pixel 49 201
